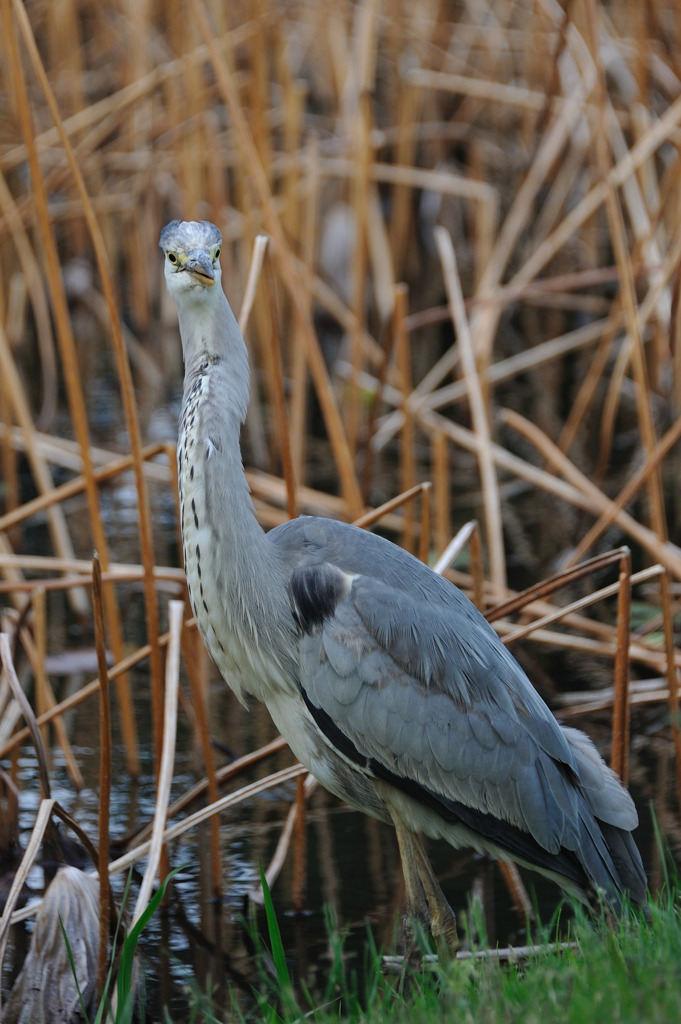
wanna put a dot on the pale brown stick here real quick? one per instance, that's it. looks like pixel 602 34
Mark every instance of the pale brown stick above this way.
pixel 104 772
pixel 490 488
pixel 621 711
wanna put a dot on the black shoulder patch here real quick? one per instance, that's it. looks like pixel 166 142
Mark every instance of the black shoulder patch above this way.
pixel 314 593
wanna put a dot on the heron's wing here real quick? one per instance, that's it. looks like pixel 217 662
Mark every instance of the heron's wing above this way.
pixel 426 697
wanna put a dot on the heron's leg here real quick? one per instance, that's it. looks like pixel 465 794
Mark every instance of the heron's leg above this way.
pixel 442 917
pixel 417 904
pixel 425 900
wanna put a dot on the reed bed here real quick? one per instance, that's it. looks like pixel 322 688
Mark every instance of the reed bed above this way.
pixel 453 232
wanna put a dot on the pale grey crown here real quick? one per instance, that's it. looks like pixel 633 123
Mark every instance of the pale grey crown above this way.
pixel 186 235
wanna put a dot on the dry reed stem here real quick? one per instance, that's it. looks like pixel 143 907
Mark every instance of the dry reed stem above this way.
pixel 407 460
pixel 299 885
pixel 360 133
pixel 48 700
pixel 39 304
pixel 621 709
pixel 279 402
pixel 305 785
pixel 666 553
pixel 104 808
pixel 376 514
pixel 120 668
pixel 79 417
pixel 41 474
pixel 118 572
pixel 441 493
pixel 200 696
pixel 299 361
pixel 73 487
pixel 228 771
pixel 479 414
pixel 425 526
pixel 334 423
pixel 165 774
pixel 38 832
pixel 42 701
pixel 173 832
pixel 629 491
pixel 618 235
pixel 111 109
pixel 426 396
pixel 456 545
pixel 27 711
pixel 658 133
pixel 672 675
pixel 562 578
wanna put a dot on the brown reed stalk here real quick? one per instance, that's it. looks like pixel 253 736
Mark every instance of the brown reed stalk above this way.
pixel 103 822
pixel 41 473
pixel 299 885
pixel 199 692
pixel 39 304
pixel 45 698
pixel 228 771
pixel 359 201
pixel 64 332
pixel 75 486
pixel 666 554
pixel 407 460
pixel 381 511
pixel 617 231
pixel 672 676
pixel 588 387
pixel 42 702
pixel 656 135
pixel 171 832
pixel 120 668
pixel 629 491
pixel 425 525
pixel 298 357
pixel 621 710
pixel 441 490
pixel 477 569
pixel 329 405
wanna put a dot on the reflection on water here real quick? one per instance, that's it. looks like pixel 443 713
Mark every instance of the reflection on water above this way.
pixel 352 862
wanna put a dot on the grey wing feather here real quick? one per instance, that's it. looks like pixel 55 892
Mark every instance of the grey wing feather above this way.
pixel 412 677
pixel 463 741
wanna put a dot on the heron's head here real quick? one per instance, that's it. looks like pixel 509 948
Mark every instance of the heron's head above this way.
pixel 192 256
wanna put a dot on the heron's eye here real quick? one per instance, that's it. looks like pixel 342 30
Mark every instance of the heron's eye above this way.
pixel 172 258
pixel 217 253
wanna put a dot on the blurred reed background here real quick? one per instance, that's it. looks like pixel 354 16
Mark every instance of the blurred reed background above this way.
pixel 469 296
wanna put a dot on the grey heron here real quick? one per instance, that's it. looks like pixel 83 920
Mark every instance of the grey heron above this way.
pixel 385 680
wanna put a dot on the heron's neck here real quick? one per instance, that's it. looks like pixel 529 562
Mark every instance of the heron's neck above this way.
pixel 210 335
pixel 235 578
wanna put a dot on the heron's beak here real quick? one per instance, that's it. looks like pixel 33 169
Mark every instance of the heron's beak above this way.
pixel 200 265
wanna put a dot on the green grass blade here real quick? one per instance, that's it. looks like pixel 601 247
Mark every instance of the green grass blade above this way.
pixel 284 983
pixel 129 949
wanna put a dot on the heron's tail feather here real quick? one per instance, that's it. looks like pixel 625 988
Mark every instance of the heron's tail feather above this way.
pixel 613 861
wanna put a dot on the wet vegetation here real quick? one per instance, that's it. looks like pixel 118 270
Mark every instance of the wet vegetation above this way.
pixel 452 236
